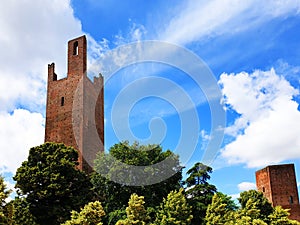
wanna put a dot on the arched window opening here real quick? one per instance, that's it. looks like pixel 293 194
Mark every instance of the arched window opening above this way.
pixel 75 48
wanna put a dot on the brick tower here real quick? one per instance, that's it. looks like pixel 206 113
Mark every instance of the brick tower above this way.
pixel 74 112
pixel 279 186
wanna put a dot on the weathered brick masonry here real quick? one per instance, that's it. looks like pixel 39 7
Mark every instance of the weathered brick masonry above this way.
pixel 74 113
pixel 279 186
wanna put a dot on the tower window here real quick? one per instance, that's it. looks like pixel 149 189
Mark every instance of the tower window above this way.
pixel 291 201
pixel 62 101
pixel 75 48
pixel 263 189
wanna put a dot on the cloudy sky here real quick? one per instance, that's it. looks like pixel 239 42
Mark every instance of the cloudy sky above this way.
pixel 251 49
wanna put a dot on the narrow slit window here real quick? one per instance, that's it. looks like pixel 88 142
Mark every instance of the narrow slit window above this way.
pixel 75 48
pixel 263 189
pixel 291 200
pixel 62 102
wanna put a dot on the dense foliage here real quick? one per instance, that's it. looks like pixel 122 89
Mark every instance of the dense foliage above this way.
pixel 51 183
pixel 115 195
pixel 52 191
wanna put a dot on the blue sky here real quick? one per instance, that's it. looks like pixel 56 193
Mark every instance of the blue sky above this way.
pixel 251 47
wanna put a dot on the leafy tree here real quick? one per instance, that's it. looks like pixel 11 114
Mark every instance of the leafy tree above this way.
pixel 91 214
pixel 174 210
pixel 199 191
pixel 51 183
pixel 280 217
pixel 21 213
pixel 115 195
pixel 4 193
pixel 250 214
pixel 221 210
pixel 136 212
pixel 261 203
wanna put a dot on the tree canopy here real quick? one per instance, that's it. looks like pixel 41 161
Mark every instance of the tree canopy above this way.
pixel 115 195
pixel 51 184
pixel 199 191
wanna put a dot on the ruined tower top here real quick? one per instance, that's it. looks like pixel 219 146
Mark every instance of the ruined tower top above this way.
pixel 74 112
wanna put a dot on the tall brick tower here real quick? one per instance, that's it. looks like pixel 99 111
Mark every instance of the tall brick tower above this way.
pixel 74 113
pixel 279 186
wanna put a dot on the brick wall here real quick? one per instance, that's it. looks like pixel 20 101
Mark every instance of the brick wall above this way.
pixel 279 186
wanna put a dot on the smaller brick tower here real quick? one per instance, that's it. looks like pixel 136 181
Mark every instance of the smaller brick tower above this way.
pixel 74 112
pixel 279 186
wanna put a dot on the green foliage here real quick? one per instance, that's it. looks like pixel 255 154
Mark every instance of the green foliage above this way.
pixel 4 193
pixel 259 201
pixel 51 183
pixel 280 217
pixel 114 196
pixel 91 214
pixel 221 210
pixel 136 212
pixel 174 210
pixel 199 191
pixel 21 213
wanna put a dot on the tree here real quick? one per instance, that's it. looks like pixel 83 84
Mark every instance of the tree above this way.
pixel 199 191
pixel 91 214
pixel 221 210
pixel 136 212
pixel 21 213
pixel 174 210
pixel 4 193
pixel 51 183
pixel 115 195
pixel 280 217
pixel 261 203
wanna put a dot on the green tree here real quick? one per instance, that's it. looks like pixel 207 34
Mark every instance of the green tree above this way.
pixel 280 217
pixel 136 212
pixel 21 213
pixel 221 210
pixel 199 191
pixel 52 184
pixel 261 203
pixel 115 195
pixel 4 193
pixel 174 210
pixel 91 214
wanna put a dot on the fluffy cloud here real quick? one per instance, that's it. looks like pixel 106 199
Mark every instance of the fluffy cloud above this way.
pixel 197 19
pixel 33 34
pixel 19 131
pixel 267 130
pixel 246 186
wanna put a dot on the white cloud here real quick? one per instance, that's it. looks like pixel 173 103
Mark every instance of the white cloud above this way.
pixel 33 34
pixel 19 131
pixel 246 186
pixel 268 128
pixel 194 20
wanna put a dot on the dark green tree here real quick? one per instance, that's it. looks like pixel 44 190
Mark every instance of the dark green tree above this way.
pixel 52 184
pixel 261 203
pixel 199 192
pixel 112 167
